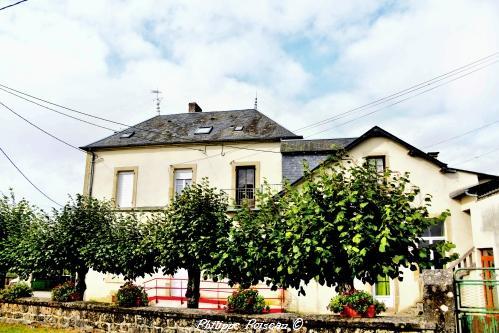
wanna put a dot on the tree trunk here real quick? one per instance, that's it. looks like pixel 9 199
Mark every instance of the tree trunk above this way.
pixel 347 286
pixel 192 293
pixel 81 286
pixel 2 280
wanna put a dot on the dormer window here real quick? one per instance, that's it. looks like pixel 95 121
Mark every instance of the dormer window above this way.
pixel 127 135
pixel 203 130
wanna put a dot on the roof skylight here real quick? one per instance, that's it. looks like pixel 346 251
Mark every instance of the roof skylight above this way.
pixel 203 130
pixel 127 135
pixel 238 128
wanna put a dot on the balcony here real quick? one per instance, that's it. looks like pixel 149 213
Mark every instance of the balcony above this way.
pixel 239 196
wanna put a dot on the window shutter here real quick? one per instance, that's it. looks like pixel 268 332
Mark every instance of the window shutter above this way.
pixel 124 192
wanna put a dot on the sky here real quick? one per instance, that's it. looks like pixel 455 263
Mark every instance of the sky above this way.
pixel 307 60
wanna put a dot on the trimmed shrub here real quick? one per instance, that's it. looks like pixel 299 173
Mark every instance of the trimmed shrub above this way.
pixel 66 292
pixel 246 301
pixel 130 295
pixel 15 291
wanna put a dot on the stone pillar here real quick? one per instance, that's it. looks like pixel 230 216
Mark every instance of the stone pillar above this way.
pixel 438 299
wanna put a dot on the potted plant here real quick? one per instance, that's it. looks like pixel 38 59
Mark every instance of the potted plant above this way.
pixel 355 303
pixel 131 295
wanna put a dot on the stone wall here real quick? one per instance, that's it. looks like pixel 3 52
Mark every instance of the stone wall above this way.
pixel 89 317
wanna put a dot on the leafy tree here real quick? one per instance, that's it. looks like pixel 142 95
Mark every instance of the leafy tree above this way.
pixel 342 223
pixel 126 247
pixel 16 218
pixel 69 240
pixel 188 231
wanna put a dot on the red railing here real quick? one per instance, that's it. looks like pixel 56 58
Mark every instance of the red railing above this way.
pixel 213 294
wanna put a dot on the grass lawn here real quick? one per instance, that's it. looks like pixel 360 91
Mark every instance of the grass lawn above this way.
pixel 11 328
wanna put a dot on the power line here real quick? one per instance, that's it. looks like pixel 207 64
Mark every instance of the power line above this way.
pixel 12 5
pixel 25 177
pixel 477 156
pixel 41 129
pixel 185 140
pixel 83 120
pixel 404 91
pixel 462 134
pixel 404 99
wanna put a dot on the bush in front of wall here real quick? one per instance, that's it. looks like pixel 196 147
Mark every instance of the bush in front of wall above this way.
pixel 355 303
pixel 246 301
pixel 130 295
pixel 16 291
pixel 65 292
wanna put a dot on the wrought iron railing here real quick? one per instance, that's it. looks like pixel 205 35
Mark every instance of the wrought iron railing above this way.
pixel 248 195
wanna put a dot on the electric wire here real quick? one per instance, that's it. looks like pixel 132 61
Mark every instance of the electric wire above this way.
pixel 6 89
pixel 12 5
pixel 41 129
pixel 86 121
pixel 477 156
pixel 408 90
pixel 136 127
pixel 26 177
pixel 404 99
pixel 462 134
pixel 405 91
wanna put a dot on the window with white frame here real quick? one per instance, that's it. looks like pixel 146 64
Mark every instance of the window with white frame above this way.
pixel 182 178
pixel 124 189
pixel 377 162
pixel 434 234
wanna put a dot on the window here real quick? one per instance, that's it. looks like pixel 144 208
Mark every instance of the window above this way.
pixel 377 162
pixel 434 234
pixel 124 189
pixel 238 128
pixel 203 130
pixel 382 286
pixel 245 184
pixel 182 179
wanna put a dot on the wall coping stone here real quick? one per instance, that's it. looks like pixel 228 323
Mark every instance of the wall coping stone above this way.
pixel 310 320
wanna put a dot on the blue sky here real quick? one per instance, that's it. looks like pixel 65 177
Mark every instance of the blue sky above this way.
pixel 308 61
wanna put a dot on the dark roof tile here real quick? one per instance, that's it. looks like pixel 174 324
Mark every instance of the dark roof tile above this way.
pixel 180 128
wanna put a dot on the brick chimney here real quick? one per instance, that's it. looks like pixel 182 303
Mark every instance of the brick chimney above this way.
pixel 194 107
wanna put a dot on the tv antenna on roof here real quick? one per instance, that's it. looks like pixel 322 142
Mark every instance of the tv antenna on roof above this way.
pixel 157 100
pixel 256 100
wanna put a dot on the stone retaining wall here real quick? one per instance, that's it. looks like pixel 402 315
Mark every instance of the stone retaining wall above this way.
pixel 88 317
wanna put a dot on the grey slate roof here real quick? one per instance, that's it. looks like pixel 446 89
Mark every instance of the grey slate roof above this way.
pixel 180 128
pixel 313 146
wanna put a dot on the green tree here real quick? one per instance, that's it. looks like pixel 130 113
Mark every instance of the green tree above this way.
pixel 69 240
pixel 187 233
pixel 341 223
pixel 126 247
pixel 16 219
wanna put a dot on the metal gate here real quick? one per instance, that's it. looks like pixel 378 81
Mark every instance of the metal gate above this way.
pixel 477 300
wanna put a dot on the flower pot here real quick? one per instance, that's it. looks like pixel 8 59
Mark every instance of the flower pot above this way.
pixel 371 311
pixel 349 312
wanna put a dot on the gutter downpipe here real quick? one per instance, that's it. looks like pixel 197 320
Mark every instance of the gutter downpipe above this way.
pixel 91 180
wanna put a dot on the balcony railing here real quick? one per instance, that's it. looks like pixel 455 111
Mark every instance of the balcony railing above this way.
pixel 248 195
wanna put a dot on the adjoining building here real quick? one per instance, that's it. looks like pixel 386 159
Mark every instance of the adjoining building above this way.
pixel 143 166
